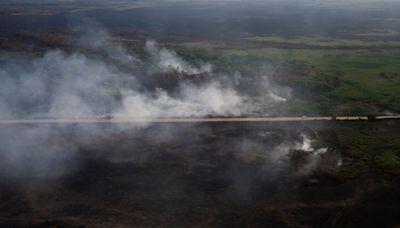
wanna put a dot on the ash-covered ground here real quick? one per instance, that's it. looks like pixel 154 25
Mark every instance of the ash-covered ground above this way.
pixel 192 175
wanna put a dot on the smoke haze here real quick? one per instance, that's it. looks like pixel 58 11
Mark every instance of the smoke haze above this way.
pixel 75 85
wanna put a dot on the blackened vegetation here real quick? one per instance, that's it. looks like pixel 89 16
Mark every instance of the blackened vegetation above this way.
pixel 172 79
pixel 213 175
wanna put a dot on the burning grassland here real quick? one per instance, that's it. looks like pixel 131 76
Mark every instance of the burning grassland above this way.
pixel 116 82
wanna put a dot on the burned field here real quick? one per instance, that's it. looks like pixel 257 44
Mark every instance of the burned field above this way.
pixel 205 175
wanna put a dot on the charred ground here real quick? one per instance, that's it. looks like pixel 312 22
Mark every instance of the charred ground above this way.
pixel 210 175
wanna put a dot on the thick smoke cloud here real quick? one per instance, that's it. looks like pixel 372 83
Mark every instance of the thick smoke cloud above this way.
pixel 64 85
pixel 57 85
pixel 69 86
pixel 193 101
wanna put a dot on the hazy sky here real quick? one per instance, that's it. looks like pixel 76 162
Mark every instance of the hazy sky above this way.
pixel 131 1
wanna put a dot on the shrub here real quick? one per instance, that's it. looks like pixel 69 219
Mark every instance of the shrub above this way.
pixel 387 160
pixel 347 171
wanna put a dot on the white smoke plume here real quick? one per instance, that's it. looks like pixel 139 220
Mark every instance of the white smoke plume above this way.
pixel 278 157
pixel 276 93
pixel 58 85
pixel 61 86
pixel 193 101
pixel 164 60
pixel 313 158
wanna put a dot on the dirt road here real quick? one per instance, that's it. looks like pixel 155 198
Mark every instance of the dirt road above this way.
pixel 184 120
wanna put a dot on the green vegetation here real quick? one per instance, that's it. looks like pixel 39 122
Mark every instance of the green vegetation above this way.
pixel 363 141
pixel 387 160
pixel 376 146
pixel 380 33
pixel 324 41
pixel 347 171
pixel 325 81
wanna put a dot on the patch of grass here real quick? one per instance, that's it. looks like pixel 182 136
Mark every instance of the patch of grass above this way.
pixel 347 171
pixel 378 146
pixel 300 107
pixel 354 109
pixel 380 33
pixel 324 41
pixel 387 160
pixel 353 152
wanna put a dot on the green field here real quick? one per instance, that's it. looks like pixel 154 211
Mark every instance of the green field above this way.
pixel 328 41
pixel 325 81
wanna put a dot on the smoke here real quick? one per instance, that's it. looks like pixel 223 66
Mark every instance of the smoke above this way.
pixel 70 86
pixel 57 85
pixel 193 101
pixel 95 37
pixel 274 158
pixel 164 60
pixel 40 152
pixel 311 156
pixel 63 85
pixel 114 83
pixel 300 156
pixel 261 87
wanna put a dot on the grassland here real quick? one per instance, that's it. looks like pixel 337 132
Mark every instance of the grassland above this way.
pixel 376 148
pixel 323 41
pixel 325 81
